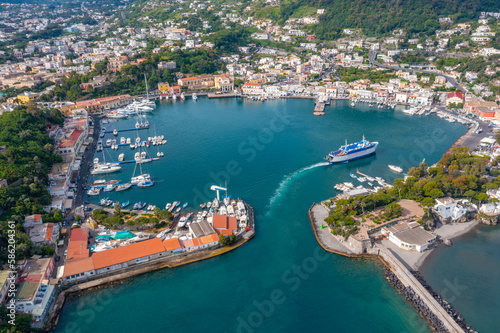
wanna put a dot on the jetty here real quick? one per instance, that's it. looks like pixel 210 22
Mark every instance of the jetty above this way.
pixel 319 109
pixel 174 204
pixel 379 180
pixel 128 129
pixel 214 95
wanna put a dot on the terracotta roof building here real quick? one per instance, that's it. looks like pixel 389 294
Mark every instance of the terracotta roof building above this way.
pixel 124 256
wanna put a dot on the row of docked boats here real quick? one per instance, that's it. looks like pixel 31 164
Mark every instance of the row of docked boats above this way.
pixel 106 202
pixel 182 97
pixel 175 206
pixel 135 108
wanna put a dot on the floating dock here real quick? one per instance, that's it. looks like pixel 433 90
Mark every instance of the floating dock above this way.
pixel 128 129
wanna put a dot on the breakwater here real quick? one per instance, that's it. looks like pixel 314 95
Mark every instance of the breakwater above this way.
pixel 415 300
pixel 445 304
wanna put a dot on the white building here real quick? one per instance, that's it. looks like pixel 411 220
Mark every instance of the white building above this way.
pixel 449 208
pixel 409 236
pixel 490 208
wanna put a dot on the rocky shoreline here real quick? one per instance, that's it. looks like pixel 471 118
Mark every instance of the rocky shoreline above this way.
pixel 422 307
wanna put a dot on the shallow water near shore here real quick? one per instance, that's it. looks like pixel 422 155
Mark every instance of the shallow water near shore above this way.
pixel 270 154
pixel 467 275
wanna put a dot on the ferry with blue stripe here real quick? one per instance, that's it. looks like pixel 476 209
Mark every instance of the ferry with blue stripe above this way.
pixel 353 151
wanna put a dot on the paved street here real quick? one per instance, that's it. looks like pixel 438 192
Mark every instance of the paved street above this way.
pixel 85 165
pixel 373 61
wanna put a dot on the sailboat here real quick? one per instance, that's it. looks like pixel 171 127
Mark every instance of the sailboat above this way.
pixel 100 168
pixel 146 101
pixel 141 178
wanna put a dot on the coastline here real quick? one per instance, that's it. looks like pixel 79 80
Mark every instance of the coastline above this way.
pixel 450 232
pixel 120 277
pixel 400 273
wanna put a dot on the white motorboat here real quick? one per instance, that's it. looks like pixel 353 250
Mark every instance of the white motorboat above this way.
pixel 94 191
pixel 105 168
pixel 123 187
pixel 395 168
pixel 145 183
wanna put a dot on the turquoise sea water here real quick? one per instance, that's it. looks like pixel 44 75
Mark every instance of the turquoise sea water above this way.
pixel 270 154
pixel 467 275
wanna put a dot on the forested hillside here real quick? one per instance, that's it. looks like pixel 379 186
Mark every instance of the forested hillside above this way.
pixel 377 17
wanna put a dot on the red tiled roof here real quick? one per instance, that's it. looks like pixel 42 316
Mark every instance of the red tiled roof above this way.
pixel 172 244
pixel 72 139
pixel 226 232
pixel 232 223
pixel 48 233
pixel 72 267
pixel 79 234
pixel 220 221
pixel 209 239
pixel 128 252
pixel 77 249
pixel 455 94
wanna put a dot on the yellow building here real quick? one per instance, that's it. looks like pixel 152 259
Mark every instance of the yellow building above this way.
pixel 224 82
pixel 163 87
pixel 21 99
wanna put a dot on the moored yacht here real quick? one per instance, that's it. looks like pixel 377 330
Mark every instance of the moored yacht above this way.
pixel 395 168
pixel 123 187
pixel 105 168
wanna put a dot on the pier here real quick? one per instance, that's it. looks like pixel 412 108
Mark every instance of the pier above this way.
pixel 375 179
pixel 223 95
pixel 319 109
pixel 128 129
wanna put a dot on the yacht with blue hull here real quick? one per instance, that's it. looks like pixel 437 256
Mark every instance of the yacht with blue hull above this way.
pixel 352 151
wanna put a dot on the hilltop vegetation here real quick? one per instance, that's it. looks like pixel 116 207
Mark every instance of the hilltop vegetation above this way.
pixel 458 174
pixel 380 17
pixel 25 163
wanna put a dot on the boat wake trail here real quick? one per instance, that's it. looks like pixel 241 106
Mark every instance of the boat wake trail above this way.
pixel 287 180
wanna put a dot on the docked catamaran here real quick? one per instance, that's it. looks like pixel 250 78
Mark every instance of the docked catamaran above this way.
pixel 349 152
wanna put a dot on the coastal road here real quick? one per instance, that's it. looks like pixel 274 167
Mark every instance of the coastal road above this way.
pixel 373 60
pixel 472 139
pixel 85 164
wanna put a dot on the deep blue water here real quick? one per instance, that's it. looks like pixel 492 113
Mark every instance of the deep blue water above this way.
pixel 270 154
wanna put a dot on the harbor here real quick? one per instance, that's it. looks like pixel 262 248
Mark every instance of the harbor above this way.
pixel 202 138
